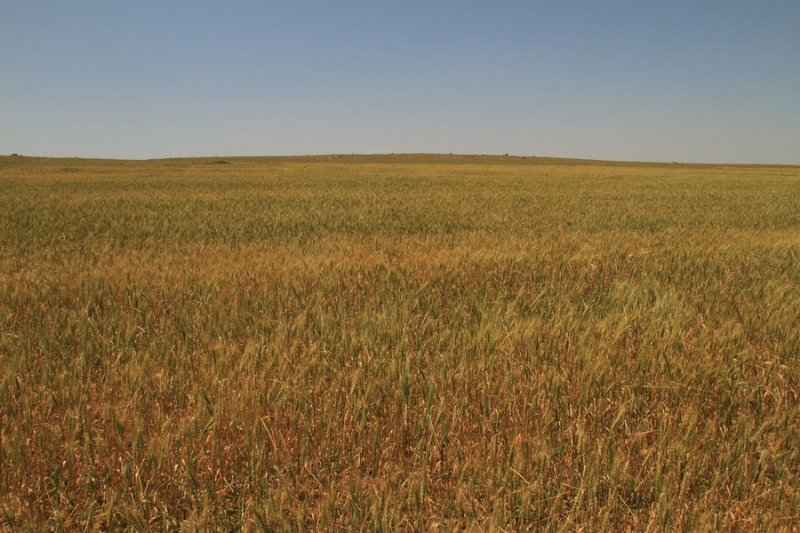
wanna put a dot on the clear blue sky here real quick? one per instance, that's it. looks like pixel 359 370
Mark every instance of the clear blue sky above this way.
pixel 700 81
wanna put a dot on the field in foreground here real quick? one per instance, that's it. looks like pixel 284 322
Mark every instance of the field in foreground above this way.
pixel 405 343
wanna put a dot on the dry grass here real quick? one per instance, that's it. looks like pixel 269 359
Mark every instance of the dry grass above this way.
pixel 403 343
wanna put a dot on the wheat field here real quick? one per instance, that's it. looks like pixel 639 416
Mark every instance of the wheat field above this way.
pixel 398 343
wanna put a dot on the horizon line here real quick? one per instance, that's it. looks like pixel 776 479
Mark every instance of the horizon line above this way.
pixel 404 154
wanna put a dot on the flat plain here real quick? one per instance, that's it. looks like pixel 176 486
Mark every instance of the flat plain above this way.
pixel 398 343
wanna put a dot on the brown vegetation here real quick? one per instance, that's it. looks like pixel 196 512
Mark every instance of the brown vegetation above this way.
pixel 398 343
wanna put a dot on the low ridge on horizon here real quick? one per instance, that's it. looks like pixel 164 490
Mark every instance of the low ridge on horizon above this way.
pixel 407 155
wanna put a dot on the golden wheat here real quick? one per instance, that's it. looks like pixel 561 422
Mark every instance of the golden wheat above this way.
pixel 382 343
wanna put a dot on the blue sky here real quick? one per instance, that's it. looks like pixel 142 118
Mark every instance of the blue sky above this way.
pixel 694 81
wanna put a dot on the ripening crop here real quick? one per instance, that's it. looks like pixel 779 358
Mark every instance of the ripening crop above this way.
pixel 398 343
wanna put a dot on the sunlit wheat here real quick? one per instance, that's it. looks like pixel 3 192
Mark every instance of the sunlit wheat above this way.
pixel 398 343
